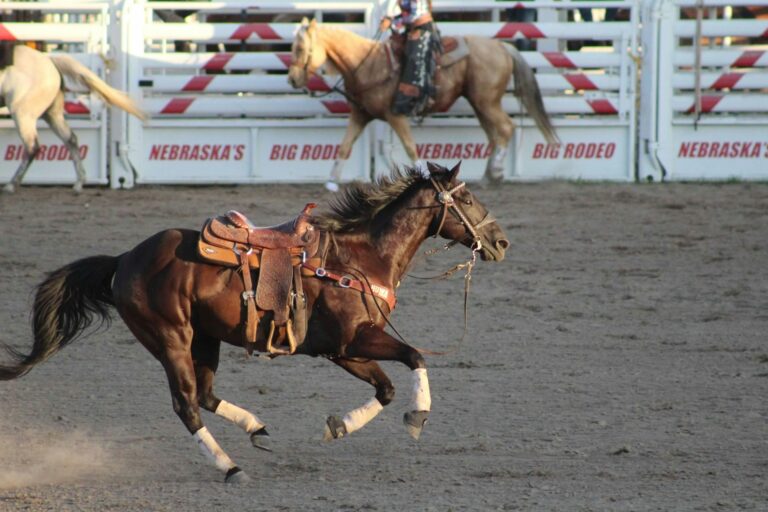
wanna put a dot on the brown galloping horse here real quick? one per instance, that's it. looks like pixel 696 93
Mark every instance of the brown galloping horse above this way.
pixel 181 308
pixel 371 76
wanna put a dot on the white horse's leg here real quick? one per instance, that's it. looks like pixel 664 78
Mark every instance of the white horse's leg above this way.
pixel 213 452
pixel 357 121
pixel 370 372
pixel 26 126
pixel 247 421
pixel 421 403
pixel 54 116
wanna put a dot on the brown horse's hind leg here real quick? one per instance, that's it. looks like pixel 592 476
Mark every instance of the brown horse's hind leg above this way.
pixel 54 116
pixel 205 354
pixel 170 342
pixel 370 372
pixel 373 343
pixel 27 127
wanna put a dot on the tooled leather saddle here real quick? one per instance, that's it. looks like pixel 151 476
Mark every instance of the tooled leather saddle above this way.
pixel 455 49
pixel 274 256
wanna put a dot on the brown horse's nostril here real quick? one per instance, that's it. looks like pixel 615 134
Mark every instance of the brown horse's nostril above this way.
pixel 502 244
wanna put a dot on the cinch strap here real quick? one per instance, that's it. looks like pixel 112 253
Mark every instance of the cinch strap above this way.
pixel 345 281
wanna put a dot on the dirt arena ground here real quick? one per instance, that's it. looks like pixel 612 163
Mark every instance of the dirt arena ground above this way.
pixel 617 360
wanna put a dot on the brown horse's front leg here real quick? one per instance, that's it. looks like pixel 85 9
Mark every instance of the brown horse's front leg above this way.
pixel 371 342
pixel 370 372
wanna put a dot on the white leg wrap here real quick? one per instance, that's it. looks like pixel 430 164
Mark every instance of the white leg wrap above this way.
pixel 240 417
pixel 212 451
pixel 498 157
pixel 421 399
pixel 356 419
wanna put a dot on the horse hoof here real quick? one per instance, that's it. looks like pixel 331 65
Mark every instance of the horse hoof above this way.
pixel 236 476
pixel 334 428
pixel 9 188
pixel 331 186
pixel 260 439
pixel 77 187
pixel 414 422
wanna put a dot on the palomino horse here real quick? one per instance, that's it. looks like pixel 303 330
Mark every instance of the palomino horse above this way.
pixel 181 308
pixel 370 80
pixel 33 87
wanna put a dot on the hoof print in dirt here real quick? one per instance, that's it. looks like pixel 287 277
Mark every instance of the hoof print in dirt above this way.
pixel 414 422
pixel 236 476
pixel 334 428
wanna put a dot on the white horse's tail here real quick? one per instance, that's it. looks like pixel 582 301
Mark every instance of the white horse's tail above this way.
pixel 527 89
pixel 73 70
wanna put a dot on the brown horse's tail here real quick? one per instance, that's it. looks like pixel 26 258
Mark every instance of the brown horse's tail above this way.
pixel 73 70
pixel 527 89
pixel 66 303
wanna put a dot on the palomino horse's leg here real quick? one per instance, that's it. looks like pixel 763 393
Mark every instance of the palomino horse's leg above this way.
pixel 373 343
pixel 54 116
pixel 27 127
pixel 498 128
pixel 357 121
pixel 370 372
pixel 205 354
pixel 402 128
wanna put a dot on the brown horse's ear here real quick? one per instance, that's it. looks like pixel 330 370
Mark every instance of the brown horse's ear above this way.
pixel 454 172
pixel 434 168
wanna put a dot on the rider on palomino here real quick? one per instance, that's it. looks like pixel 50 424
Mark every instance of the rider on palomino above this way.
pixel 416 88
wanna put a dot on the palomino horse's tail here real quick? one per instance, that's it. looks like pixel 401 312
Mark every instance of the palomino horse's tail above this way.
pixel 73 70
pixel 66 303
pixel 527 89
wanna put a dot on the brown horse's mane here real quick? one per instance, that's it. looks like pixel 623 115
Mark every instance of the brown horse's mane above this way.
pixel 359 203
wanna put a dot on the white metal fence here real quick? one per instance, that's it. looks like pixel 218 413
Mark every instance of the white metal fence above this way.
pixel 213 77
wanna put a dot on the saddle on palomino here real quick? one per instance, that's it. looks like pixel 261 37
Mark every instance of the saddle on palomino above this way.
pixel 455 49
pixel 277 253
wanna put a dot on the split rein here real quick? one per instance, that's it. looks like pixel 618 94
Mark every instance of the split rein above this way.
pixel 447 202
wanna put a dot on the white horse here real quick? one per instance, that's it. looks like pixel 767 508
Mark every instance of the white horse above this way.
pixel 33 87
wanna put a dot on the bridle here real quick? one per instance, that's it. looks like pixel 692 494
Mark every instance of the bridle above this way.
pixel 448 203
pixel 336 87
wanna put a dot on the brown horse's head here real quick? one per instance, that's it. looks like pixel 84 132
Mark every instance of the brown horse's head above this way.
pixel 307 55
pixel 464 218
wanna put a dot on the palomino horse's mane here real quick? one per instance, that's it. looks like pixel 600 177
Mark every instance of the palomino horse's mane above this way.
pixel 359 203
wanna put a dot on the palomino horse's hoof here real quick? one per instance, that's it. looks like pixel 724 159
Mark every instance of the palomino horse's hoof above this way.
pixel 334 428
pixel 236 476
pixel 414 422
pixel 9 188
pixel 260 439
pixel 77 187
pixel 331 186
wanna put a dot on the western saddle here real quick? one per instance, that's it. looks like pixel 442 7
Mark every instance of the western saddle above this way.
pixel 277 253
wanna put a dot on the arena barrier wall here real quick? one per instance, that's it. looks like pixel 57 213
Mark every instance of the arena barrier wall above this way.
pixel 80 30
pixel 213 77
pixel 726 135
